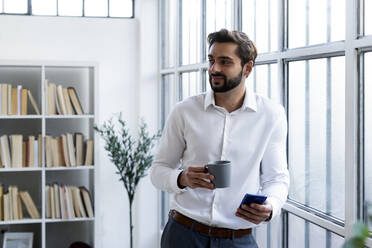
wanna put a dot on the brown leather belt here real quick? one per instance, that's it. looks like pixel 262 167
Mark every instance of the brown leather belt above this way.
pixel 208 230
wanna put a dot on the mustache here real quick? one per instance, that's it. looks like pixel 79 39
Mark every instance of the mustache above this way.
pixel 217 75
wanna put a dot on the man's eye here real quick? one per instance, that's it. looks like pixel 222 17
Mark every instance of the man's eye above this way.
pixel 225 62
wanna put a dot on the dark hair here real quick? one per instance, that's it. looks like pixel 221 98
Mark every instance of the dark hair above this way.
pixel 246 50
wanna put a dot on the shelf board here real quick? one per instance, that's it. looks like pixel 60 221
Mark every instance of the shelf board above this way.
pixel 23 221
pixel 21 169
pixel 64 168
pixel 11 117
pixel 69 116
pixel 68 220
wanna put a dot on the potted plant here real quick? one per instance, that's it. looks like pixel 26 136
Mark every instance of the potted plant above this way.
pixel 131 158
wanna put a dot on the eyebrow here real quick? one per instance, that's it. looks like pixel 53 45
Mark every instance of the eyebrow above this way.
pixel 221 57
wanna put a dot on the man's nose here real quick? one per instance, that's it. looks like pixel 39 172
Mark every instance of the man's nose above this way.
pixel 215 68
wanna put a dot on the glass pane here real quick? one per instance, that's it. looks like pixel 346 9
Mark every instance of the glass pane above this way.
pixel 1 6
pixel 317 134
pixel 190 32
pixel 168 19
pixel 218 16
pixel 269 235
pixel 260 23
pixel 264 81
pixel 15 6
pixel 302 233
pixel 96 8
pixel 368 132
pixel 308 22
pixel 44 7
pixel 121 8
pixel 191 84
pixel 368 17
pixel 70 7
pixel 169 95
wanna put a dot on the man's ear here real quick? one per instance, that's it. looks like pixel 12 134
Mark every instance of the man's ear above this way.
pixel 247 69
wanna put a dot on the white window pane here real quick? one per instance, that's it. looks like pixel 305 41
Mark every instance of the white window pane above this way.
pixel 317 134
pixel 168 40
pixel 308 24
pixel 44 7
pixel 96 8
pixel 260 23
pixel 121 8
pixel 218 16
pixel 15 6
pixel 1 6
pixel 368 130
pixel 191 84
pixel 368 16
pixel 70 7
pixel 191 31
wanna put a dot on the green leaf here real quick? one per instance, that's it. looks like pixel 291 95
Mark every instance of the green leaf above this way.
pixel 360 230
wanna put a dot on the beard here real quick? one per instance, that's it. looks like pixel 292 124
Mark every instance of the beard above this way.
pixel 228 84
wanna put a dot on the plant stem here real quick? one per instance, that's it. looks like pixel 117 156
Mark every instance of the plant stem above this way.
pixel 130 224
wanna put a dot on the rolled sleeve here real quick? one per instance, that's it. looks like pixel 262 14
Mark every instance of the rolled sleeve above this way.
pixel 274 172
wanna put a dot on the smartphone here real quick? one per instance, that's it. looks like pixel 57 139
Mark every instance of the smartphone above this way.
pixel 250 198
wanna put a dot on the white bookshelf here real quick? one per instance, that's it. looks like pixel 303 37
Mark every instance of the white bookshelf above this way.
pixel 56 233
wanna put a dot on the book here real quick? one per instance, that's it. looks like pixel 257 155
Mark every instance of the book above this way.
pixel 10 109
pixel 47 202
pixel 52 202
pixel 6 203
pixel 14 103
pixel 19 99
pixel 56 154
pixel 33 103
pixel 4 99
pixel 69 109
pixel 66 157
pixel 14 198
pixel 89 153
pixel 16 141
pixel 79 199
pixel 40 148
pixel 30 205
pixel 24 153
pixel 19 206
pixel 79 148
pixel 75 200
pixel 30 161
pixel 5 151
pixel 62 202
pixel 87 201
pixel 48 151
pixel 24 101
pixel 70 204
pixel 36 153
pixel 56 201
pixel 61 100
pixel 75 101
pixel 1 203
pixel 52 108
pixel 71 149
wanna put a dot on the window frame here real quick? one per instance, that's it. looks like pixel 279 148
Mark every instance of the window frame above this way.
pixel 29 11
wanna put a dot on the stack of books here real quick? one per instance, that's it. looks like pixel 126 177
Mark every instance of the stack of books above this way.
pixel 11 206
pixel 63 151
pixel 13 101
pixel 67 202
pixel 17 153
pixel 62 101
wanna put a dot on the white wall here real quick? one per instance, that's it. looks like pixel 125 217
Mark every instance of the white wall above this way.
pixel 116 44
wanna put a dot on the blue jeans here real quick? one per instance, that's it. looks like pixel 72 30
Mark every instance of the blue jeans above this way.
pixel 176 235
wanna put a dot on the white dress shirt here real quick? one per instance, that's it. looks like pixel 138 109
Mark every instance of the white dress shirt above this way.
pixel 253 138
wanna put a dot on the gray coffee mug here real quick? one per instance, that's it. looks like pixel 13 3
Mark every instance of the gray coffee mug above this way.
pixel 221 170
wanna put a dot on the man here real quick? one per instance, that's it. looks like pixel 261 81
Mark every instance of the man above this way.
pixel 230 123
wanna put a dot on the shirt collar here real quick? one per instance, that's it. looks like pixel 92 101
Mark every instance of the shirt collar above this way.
pixel 249 100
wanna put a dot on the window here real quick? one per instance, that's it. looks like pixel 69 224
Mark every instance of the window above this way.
pixel 314 59
pixel 86 8
pixel 317 134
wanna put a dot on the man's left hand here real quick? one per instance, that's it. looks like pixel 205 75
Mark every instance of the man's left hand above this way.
pixel 255 213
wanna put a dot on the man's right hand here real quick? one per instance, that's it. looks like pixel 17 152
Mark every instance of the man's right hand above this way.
pixel 194 177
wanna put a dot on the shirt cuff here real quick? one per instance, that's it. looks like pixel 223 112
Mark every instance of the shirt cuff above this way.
pixel 276 207
pixel 173 182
